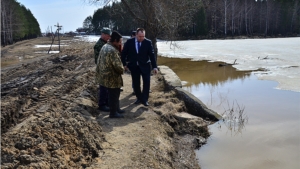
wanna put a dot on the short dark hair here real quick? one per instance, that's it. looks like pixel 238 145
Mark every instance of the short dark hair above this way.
pixel 115 36
pixel 133 33
pixel 140 30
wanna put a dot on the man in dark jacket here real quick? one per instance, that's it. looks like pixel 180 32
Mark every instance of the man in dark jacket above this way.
pixel 132 37
pixel 140 56
pixel 103 92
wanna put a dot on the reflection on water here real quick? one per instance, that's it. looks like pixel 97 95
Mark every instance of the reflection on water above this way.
pixel 234 118
pixel 268 138
pixel 212 74
pixel 202 72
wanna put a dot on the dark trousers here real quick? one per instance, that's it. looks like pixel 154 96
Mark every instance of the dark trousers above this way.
pixel 114 95
pixel 102 96
pixel 136 74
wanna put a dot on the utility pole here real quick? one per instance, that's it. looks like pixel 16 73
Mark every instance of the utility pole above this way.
pixel 58 28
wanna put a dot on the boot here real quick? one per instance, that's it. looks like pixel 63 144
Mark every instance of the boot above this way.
pixel 120 111
pixel 104 108
pixel 116 115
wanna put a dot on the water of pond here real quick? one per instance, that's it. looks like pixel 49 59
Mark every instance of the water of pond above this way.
pixel 268 137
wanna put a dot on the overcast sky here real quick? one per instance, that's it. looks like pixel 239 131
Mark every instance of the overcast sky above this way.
pixel 68 13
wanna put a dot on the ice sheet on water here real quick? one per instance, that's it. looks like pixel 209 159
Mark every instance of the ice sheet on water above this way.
pixel 47 52
pixel 94 38
pixel 279 56
pixel 88 38
pixel 183 83
pixel 47 46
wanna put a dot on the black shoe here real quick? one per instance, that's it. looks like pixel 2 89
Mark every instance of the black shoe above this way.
pixel 137 101
pixel 104 108
pixel 121 89
pixel 120 111
pixel 116 115
pixel 146 104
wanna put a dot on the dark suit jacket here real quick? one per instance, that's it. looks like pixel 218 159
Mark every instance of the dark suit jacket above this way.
pixel 143 58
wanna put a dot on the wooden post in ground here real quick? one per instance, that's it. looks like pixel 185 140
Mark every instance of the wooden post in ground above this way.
pixel 58 28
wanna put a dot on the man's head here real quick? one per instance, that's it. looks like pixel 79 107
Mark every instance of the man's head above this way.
pixel 105 33
pixel 116 39
pixel 133 34
pixel 140 34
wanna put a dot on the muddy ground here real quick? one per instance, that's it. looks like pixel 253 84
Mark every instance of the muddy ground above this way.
pixel 49 116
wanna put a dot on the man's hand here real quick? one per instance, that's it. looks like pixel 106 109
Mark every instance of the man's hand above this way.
pixel 155 70
pixel 125 68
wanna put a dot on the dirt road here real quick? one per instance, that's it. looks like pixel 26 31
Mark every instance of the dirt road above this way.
pixel 49 116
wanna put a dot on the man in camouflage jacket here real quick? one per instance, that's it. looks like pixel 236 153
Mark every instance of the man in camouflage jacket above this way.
pixel 105 35
pixel 103 92
pixel 109 72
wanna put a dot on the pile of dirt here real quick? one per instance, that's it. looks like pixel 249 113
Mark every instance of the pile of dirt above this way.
pixel 49 118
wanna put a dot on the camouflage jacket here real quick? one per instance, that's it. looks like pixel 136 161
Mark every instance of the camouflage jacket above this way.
pixel 100 43
pixel 109 67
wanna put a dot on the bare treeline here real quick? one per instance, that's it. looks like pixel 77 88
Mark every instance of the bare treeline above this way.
pixel 203 18
pixel 17 23
pixel 160 18
pixel 252 17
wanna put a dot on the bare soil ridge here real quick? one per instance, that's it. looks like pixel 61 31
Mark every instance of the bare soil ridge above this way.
pixel 49 117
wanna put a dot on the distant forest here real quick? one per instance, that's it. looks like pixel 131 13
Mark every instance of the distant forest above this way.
pixel 17 23
pixel 207 18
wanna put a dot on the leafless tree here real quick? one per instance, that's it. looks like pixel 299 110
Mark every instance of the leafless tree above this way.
pixel 3 22
pixel 7 10
pixel 295 12
pixel 9 23
pixel 248 7
pixel 162 18
pixel 226 4
pixel 168 19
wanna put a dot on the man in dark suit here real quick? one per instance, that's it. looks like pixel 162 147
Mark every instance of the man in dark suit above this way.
pixel 139 53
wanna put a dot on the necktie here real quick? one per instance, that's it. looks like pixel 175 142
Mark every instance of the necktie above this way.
pixel 139 46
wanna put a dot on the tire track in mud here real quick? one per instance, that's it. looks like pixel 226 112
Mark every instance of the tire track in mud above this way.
pixel 43 117
pixel 26 91
pixel 35 84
